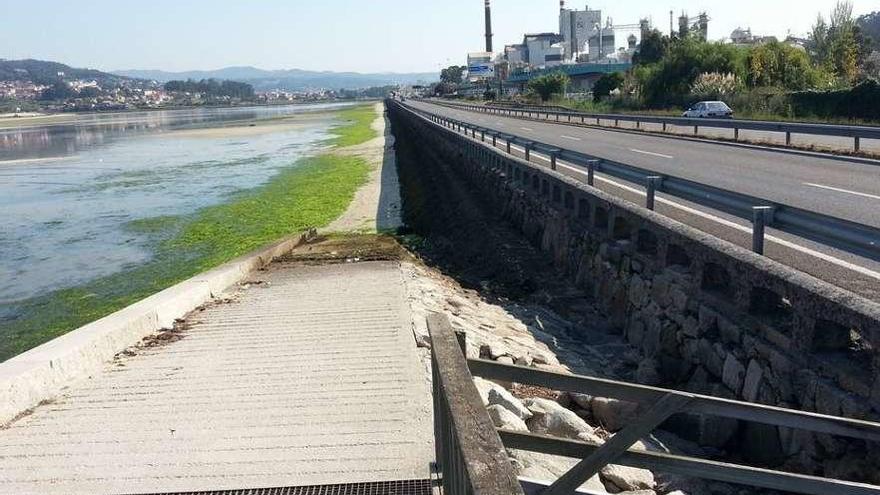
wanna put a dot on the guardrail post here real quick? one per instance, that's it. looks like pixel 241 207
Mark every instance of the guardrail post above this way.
pixel 598 122
pixel 508 146
pixel 664 127
pixel 696 130
pixel 591 171
pixel 638 125
pixel 553 156
pixel 856 144
pixel 652 181
pixel 760 217
pixel 483 135
pixel 788 138
pixel 494 140
pixel 583 118
pixel 736 133
pixel 616 123
pixel 569 117
pixel 528 151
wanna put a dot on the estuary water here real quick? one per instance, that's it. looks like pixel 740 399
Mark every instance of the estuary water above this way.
pixel 69 192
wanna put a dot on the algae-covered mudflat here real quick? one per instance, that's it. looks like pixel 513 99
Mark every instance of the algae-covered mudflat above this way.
pixel 154 225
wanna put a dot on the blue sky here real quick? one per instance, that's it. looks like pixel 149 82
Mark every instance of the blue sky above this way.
pixel 339 35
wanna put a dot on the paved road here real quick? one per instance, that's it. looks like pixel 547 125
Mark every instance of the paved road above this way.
pixel 311 377
pixel 830 185
pixel 723 166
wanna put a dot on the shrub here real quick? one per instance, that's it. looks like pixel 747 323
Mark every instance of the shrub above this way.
pixel 715 86
pixel 861 102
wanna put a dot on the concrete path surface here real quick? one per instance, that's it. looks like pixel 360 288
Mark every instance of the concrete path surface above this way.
pixel 309 376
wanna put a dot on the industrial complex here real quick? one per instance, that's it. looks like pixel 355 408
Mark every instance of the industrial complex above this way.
pixel 585 46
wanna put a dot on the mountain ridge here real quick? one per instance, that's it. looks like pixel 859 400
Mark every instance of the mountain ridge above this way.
pixel 286 79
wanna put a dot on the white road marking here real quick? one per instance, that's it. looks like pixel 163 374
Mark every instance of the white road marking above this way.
pixel 650 153
pixel 563 136
pixel 526 129
pixel 532 154
pixel 847 191
pixel 727 223
pixel 733 225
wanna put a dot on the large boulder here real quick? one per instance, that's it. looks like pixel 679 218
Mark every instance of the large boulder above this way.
pixel 550 418
pixel 628 478
pixel 503 418
pixel 492 393
pixel 614 414
pixel 548 468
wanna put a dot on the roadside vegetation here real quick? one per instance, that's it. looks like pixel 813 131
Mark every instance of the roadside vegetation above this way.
pixel 831 76
pixel 310 193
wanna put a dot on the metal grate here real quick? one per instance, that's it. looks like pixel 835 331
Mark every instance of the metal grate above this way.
pixel 400 487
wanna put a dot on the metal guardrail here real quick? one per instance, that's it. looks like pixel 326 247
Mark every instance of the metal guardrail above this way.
pixel 856 132
pixel 857 238
pixel 469 454
pixel 456 386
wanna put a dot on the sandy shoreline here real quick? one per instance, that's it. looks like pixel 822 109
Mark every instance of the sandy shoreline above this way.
pixel 376 207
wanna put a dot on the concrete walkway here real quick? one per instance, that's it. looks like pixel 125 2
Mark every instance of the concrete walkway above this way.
pixel 308 377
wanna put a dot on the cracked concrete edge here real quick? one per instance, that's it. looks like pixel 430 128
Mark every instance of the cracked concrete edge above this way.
pixel 43 372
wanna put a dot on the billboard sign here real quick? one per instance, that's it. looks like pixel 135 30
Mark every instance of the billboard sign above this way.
pixel 481 70
pixel 480 66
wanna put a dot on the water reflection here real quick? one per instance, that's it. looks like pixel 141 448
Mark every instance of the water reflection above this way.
pixel 68 221
pixel 65 139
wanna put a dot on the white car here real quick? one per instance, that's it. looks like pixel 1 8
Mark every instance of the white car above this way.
pixel 709 109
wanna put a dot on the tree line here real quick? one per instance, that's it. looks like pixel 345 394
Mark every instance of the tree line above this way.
pixel 212 88
pixel 825 75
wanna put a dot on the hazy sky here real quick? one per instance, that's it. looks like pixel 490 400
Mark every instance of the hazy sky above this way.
pixel 339 35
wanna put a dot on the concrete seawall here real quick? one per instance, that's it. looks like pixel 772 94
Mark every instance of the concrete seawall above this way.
pixel 708 316
pixel 41 373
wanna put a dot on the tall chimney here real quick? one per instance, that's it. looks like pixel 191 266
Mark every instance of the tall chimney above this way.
pixel 488 27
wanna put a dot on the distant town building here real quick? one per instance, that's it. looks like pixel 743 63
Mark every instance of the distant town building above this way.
pixel 744 37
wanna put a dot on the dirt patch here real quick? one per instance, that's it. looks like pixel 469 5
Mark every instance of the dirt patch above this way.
pixel 26 413
pixel 347 248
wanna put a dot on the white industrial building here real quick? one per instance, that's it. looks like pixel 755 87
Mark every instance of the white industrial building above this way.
pixel 586 37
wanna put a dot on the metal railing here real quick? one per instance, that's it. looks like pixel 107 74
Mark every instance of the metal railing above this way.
pixel 469 455
pixel 562 114
pixel 453 370
pixel 857 238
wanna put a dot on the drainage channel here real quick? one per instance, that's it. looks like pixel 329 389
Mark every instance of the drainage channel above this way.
pixel 399 487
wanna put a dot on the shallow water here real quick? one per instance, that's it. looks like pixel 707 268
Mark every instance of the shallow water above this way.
pixel 70 192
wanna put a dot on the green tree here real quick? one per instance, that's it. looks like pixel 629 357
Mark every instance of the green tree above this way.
pixel 606 84
pixel 549 84
pixel 669 81
pixel 780 65
pixel 59 90
pixel 839 45
pixel 452 74
pixel 870 26
pixel 652 49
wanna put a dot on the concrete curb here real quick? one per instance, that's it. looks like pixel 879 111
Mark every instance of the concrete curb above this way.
pixel 42 372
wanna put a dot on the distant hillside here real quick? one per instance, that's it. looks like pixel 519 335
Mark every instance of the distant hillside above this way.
pixel 290 80
pixel 43 72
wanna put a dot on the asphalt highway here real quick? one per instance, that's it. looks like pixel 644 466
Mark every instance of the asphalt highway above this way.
pixel 835 186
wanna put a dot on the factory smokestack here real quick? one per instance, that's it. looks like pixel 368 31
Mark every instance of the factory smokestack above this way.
pixel 488 27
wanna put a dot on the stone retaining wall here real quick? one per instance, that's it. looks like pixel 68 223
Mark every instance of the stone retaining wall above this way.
pixel 708 316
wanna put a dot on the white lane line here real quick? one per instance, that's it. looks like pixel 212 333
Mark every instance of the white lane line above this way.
pixel 782 242
pixel 847 191
pixel 563 136
pixel 661 155
pixel 532 154
pixel 526 129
